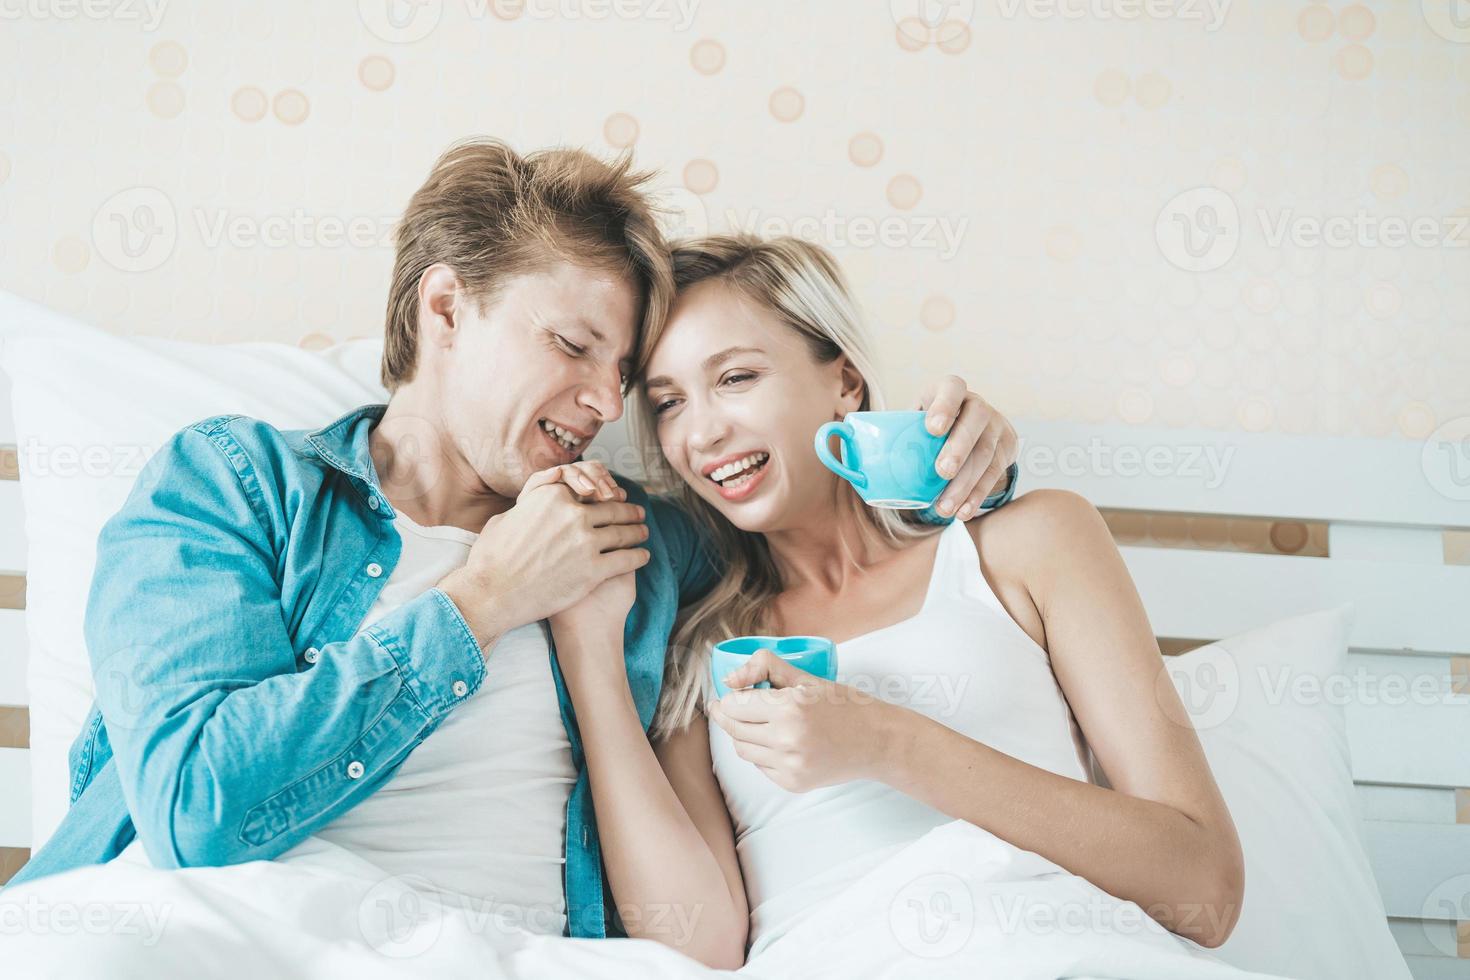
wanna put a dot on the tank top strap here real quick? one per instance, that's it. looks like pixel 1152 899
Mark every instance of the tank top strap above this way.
pixel 957 573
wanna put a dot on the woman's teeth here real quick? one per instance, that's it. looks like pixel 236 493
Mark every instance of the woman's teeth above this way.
pixel 739 471
pixel 568 441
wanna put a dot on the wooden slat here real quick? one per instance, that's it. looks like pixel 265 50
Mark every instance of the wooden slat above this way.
pixel 1397 605
pixel 1203 471
pixel 13 657
pixel 9 463
pixel 12 859
pixel 12 591
pixel 15 810
pixel 15 727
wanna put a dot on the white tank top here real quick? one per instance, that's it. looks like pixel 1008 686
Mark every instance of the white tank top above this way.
pixel 478 809
pixel 963 661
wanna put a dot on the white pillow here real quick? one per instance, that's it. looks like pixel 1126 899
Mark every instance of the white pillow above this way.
pixel 1312 908
pixel 90 408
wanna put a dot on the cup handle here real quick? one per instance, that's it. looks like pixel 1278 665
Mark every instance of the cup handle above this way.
pixel 843 431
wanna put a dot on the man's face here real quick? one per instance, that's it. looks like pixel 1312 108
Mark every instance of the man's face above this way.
pixel 548 352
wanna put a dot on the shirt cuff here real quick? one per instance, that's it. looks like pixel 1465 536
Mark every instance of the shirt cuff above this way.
pixel 437 654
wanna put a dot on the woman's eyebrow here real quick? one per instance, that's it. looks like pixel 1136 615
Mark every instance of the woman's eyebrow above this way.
pixel 709 363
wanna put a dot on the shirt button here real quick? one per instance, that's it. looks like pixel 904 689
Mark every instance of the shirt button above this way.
pixel 354 769
pixel 373 502
pixel 311 655
pixel 374 569
pixel 459 688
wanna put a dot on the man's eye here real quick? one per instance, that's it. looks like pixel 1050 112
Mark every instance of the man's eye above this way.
pixel 570 347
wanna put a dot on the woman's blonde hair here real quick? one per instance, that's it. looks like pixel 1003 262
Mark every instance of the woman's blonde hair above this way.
pixel 802 284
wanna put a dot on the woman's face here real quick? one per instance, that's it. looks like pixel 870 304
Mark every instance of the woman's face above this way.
pixel 737 398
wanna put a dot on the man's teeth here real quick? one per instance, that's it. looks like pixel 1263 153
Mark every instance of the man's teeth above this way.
pixel 568 441
pixel 722 473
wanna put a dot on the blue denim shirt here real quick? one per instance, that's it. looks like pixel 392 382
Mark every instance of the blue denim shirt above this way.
pixel 236 710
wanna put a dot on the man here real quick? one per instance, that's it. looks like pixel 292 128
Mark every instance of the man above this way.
pixel 279 620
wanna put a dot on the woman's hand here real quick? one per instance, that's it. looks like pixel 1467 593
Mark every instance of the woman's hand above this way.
pixel 981 445
pixel 597 620
pixel 803 732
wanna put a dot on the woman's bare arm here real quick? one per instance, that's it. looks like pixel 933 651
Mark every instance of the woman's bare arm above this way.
pixel 1162 836
pixel 665 833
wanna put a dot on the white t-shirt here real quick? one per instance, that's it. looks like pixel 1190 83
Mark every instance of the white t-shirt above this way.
pixel 478 809
pixel 477 812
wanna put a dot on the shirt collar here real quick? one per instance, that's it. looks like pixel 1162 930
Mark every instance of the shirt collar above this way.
pixel 343 444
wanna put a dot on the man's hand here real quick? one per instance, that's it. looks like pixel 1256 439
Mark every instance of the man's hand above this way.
pixel 570 531
pixel 981 444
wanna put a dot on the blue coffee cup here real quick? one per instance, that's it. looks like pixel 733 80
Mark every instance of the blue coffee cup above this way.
pixel 814 654
pixel 888 457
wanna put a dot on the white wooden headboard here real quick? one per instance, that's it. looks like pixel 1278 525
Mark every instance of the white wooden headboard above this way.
pixel 1386 505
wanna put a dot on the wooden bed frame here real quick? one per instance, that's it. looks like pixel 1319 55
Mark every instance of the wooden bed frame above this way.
pixel 1385 504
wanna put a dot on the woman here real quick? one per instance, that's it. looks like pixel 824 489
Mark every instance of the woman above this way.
pixel 999 649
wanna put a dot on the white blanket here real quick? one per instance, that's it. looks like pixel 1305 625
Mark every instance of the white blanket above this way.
pixel 960 902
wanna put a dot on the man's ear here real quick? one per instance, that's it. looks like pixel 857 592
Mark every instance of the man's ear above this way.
pixel 439 291
pixel 854 388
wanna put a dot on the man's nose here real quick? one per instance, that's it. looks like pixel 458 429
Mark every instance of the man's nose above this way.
pixel 604 395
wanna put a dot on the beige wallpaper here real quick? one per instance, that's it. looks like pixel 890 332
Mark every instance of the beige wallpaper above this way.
pixel 1249 215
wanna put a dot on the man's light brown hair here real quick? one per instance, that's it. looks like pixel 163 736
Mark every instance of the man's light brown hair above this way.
pixel 490 214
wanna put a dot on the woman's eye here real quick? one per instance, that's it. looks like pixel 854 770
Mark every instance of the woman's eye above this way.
pixel 659 407
pixel 570 347
pixel 736 378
